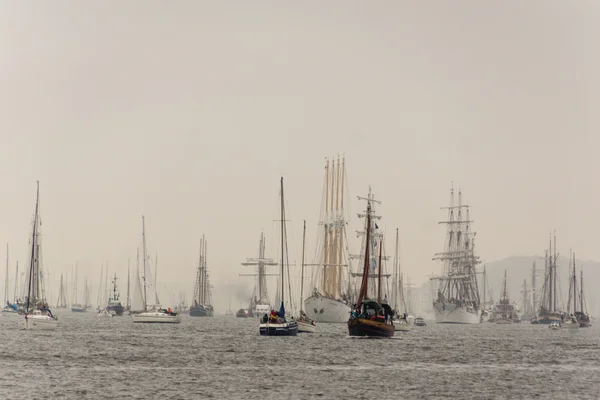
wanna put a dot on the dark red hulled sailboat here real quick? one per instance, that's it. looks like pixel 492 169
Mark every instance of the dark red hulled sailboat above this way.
pixel 370 317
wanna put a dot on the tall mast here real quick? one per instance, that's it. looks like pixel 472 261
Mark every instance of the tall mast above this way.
pixel 325 241
pixel 396 279
pixel 6 279
pixel 581 291
pixel 16 282
pixel 282 244
pixel 364 287
pixel 106 289
pixel 302 273
pixel 555 305
pixel 128 301
pixel 574 287
pixel 156 279
pixel 379 271
pixel 341 231
pixel 533 288
pixel 32 270
pixel 76 277
pixel 144 255
pixel 484 285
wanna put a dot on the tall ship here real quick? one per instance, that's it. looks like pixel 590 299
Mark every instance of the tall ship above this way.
pixel 457 300
pixel 259 303
pixel 579 317
pixel 372 316
pixel 583 317
pixel 505 312
pixel 201 305
pixel 329 301
pixel 114 303
pixel 549 309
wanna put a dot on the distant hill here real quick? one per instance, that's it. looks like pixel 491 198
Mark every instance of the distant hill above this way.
pixel 520 268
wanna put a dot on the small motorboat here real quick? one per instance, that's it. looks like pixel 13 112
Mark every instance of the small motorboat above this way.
pixel 419 322
pixel 554 325
pixel 306 324
pixel 241 313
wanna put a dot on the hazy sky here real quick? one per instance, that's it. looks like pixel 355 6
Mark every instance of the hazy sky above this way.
pixel 189 112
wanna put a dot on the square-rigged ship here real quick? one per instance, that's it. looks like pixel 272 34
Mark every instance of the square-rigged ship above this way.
pixel 457 300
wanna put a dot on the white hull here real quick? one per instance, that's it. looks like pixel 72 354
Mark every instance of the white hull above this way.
pixel 454 314
pixel 156 317
pixel 306 328
pixel 40 323
pixel 401 326
pixel 324 309
pixel 570 325
pixel 9 311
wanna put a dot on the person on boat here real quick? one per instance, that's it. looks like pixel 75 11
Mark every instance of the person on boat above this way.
pixel 170 310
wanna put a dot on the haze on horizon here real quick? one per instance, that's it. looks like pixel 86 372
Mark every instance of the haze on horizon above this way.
pixel 189 112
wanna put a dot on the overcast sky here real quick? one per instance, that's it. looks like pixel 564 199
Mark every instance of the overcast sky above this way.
pixel 189 112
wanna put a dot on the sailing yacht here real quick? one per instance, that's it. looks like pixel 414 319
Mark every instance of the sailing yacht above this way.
pixel 457 300
pixel 157 314
pixel 505 312
pixel 201 306
pixel 75 306
pixel 570 321
pixel 114 304
pixel 305 324
pixel 582 315
pixel 37 314
pixel 401 324
pixel 275 324
pixel 329 301
pixel 8 307
pixel 371 317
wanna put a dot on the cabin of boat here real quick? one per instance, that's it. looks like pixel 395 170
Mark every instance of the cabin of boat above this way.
pixel 374 319
pixel 275 324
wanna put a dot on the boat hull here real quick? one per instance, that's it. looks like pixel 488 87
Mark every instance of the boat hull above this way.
pixel 278 329
pixel 504 321
pixel 449 313
pixel 327 310
pixel 200 312
pixel 306 327
pixel 367 327
pixel 241 313
pixel 401 326
pixel 40 323
pixel 156 318
pixel 117 310
pixel 549 318
pixel 78 309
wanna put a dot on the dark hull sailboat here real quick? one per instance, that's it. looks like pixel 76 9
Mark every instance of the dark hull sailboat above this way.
pixel 117 309
pixel 276 324
pixel 369 317
pixel 201 311
pixel 241 313
pixel 201 306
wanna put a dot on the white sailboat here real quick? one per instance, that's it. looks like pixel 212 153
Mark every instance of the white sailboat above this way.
pixel 305 324
pixel 399 319
pixel 157 314
pixel 329 300
pixel 37 314
pixel 8 309
pixel 457 300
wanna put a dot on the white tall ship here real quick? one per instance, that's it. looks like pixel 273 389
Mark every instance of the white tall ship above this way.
pixel 457 300
pixel 37 313
pixel 329 301
pixel 260 304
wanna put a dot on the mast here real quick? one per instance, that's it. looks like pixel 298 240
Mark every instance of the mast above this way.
pixel 32 270
pixel 364 286
pixel 128 301
pixel 156 279
pixel 282 245
pixel 16 282
pixel 144 255
pixel 379 271
pixel 484 283
pixel 341 232
pixel 574 287
pixel 6 279
pixel 533 288
pixel 325 241
pixel 554 271
pixel 106 289
pixel 581 292
pixel 75 286
pixel 396 279
pixel 302 273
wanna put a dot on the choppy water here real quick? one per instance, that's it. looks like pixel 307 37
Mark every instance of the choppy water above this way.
pixel 225 358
